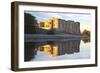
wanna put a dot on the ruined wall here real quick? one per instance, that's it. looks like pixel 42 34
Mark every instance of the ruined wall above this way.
pixel 69 27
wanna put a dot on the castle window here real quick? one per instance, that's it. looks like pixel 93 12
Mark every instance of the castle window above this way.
pixel 41 24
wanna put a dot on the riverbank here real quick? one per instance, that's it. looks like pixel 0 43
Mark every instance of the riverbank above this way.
pixel 51 36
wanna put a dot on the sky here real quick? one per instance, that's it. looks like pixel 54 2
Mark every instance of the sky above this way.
pixel 83 18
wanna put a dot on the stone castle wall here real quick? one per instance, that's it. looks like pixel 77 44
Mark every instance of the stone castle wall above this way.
pixel 61 26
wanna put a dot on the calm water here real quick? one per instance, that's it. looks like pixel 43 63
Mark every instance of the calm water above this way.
pixel 46 49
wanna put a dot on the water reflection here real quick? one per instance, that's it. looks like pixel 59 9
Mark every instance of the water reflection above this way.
pixel 52 49
pixel 86 40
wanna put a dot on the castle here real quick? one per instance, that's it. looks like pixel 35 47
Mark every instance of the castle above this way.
pixel 61 26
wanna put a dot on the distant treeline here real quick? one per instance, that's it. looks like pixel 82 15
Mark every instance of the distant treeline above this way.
pixel 31 25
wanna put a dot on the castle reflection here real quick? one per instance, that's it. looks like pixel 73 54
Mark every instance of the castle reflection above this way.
pixel 52 48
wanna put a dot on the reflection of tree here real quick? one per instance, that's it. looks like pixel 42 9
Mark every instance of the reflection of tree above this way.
pixel 28 52
pixel 30 23
pixel 86 40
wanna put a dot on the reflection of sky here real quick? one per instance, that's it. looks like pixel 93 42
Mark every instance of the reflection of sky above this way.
pixel 84 19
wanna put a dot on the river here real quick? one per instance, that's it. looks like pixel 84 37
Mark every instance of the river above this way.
pixel 56 49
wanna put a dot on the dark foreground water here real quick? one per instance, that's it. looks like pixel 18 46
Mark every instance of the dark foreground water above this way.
pixel 58 49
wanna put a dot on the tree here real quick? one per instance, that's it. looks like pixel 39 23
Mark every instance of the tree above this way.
pixel 30 23
pixel 86 33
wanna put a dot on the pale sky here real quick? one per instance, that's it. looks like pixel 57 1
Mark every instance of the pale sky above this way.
pixel 84 19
